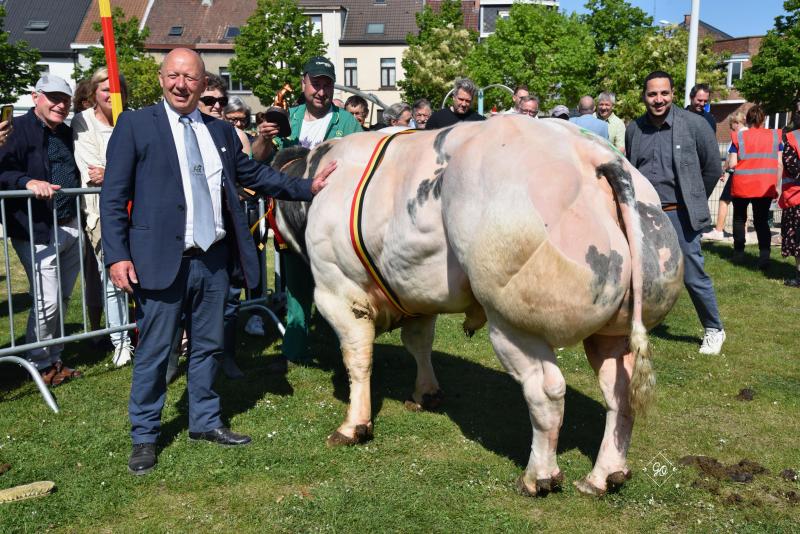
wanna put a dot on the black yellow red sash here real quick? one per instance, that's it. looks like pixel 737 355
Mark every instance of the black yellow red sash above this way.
pixel 356 216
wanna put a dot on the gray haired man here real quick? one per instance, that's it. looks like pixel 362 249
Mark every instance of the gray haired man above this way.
pixel 605 112
pixel 464 91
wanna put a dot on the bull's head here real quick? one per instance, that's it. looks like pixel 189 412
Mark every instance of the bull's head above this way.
pixel 291 217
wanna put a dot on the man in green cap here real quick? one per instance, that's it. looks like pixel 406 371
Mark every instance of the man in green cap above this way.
pixel 312 122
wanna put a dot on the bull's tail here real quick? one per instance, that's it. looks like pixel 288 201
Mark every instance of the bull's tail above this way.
pixel 643 381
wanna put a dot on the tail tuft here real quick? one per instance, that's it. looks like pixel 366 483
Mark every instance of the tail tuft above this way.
pixel 643 381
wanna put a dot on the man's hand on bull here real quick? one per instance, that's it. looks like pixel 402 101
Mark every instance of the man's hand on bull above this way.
pixel 268 130
pixel 123 275
pixel 41 189
pixel 321 179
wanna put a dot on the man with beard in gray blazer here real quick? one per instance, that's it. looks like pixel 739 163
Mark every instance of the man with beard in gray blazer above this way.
pixel 677 151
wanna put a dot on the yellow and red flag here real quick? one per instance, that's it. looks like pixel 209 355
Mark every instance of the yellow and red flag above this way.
pixel 111 58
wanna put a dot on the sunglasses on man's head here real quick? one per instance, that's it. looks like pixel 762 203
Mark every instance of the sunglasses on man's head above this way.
pixel 211 100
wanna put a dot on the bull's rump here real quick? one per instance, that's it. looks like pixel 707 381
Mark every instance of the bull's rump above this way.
pixel 544 249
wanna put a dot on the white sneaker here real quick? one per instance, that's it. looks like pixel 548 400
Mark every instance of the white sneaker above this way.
pixel 255 326
pixel 122 354
pixel 712 341
pixel 714 235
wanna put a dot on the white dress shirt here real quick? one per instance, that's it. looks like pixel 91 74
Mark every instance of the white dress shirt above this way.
pixel 212 164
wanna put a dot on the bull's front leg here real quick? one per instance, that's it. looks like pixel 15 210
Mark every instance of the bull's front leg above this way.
pixel 417 335
pixel 356 332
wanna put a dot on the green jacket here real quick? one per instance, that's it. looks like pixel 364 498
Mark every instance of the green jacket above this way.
pixel 342 123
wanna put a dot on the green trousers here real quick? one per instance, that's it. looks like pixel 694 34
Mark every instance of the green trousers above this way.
pixel 299 297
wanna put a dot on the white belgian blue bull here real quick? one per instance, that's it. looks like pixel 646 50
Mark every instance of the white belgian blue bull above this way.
pixel 534 226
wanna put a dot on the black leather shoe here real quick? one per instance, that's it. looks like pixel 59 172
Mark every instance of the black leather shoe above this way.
pixel 221 436
pixel 143 459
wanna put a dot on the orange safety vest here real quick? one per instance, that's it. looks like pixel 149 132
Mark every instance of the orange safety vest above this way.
pixel 790 188
pixel 756 172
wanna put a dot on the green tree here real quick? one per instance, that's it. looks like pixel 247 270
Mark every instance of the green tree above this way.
pixel 273 46
pixel 624 69
pixel 435 56
pixel 19 65
pixel 139 68
pixel 552 53
pixel 613 22
pixel 774 78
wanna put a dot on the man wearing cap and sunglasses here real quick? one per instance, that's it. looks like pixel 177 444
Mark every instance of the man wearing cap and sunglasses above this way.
pixel 313 122
pixel 39 157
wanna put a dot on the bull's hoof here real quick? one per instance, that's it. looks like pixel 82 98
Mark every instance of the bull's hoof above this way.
pixel 363 434
pixel 617 479
pixel 587 488
pixel 430 402
pixel 544 486
pixel 523 488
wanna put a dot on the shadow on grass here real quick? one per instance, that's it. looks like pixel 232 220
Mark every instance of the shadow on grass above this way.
pixel 486 404
pixel 778 269
pixel 662 332
pixel 19 302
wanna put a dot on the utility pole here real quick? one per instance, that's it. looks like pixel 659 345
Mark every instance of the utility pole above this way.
pixel 691 60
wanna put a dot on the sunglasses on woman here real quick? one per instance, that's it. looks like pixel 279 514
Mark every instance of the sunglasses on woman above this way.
pixel 211 100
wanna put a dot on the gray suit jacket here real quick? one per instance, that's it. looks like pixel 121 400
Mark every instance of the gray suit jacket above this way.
pixel 695 160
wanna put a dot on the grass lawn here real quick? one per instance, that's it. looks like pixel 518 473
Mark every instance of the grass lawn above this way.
pixel 451 471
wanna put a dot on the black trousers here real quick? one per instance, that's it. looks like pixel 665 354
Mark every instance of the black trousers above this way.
pixel 760 221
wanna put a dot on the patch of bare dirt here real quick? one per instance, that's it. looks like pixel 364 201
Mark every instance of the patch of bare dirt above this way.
pixel 745 394
pixel 789 474
pixel 744 471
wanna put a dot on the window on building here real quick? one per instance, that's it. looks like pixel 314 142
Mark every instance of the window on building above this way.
pixel 231 32
pixel 490 15
pixel 233 84
pixel 175 31
pixel 37 25
pixel 376 28
pixel 43 68
pixel 380 2
pixel 388 72
pixel 736 68
pixel 351 72
pixel 316 21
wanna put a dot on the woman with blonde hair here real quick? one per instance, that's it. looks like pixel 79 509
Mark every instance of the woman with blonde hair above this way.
pixel 92 129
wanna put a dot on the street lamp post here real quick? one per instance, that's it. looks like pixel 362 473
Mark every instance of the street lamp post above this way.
pixel 691 60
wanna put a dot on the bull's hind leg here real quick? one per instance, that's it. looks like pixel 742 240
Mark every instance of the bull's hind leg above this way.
pixel 417 336
pixel 532 363
pixel 612 361
pixel 356 332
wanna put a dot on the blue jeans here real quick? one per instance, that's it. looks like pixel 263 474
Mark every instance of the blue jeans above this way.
pixel 697 282
pixel 198 295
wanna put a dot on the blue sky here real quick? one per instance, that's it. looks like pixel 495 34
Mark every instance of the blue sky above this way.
pixel 739 18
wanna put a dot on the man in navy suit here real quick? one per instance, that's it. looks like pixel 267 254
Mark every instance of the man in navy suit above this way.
pixel 186 234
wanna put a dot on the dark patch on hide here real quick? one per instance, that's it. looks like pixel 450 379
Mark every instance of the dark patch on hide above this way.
pixel 619 179
pixel 316 157
pixel 657 235
pixel 431 186
pixel 293 215
pixel 607 270
pixel 438 146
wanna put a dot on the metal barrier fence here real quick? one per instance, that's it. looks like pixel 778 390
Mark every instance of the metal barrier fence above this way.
pixel 12 352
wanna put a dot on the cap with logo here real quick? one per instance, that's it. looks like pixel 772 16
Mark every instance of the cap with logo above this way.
pixel 319 66
pixel 53 84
